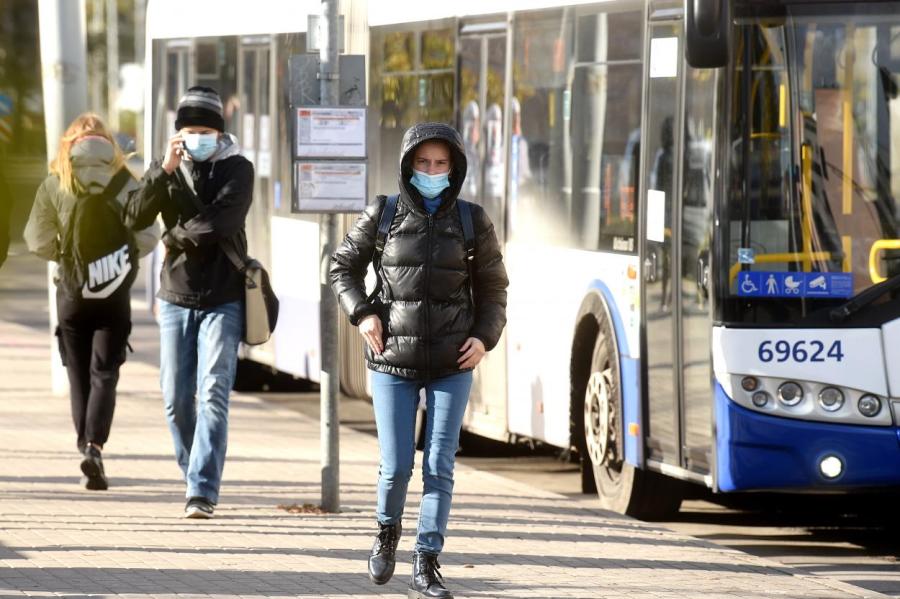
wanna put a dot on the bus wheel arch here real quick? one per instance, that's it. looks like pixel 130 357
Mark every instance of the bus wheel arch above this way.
pixel 599 438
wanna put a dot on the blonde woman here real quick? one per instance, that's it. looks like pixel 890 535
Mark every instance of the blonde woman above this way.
pixel 95 318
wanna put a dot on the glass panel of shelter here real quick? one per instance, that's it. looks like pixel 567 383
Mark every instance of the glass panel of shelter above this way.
pixel 253 128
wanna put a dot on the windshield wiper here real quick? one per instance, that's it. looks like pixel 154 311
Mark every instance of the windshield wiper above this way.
pixel 864 298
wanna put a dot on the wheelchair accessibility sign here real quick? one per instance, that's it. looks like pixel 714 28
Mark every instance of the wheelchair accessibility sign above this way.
pixel 795 284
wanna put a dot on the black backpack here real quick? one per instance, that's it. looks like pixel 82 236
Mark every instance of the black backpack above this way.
pixel 98 255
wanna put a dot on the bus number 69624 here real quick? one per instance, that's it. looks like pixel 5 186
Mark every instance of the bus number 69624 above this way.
pixel 799 351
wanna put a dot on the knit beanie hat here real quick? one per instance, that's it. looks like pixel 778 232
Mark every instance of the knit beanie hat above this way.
pixel 200 106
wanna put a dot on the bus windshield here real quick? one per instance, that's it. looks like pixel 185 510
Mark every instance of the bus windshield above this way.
pixel 814 159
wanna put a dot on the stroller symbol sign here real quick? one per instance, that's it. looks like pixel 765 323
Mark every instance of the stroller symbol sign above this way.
pixel 791 285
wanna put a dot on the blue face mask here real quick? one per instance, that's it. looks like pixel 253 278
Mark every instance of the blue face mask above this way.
pixel 201 146
pixel 430 186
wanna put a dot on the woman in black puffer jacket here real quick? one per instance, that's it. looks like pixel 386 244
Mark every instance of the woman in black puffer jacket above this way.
pixel 422 331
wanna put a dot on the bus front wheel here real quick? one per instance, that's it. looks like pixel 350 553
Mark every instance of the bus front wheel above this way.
pixel 621 487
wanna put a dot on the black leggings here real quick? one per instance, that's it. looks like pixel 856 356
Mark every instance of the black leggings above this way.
pixel 93 335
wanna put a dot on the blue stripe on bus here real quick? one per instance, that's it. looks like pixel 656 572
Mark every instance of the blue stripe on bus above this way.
pixel 629 380
pixel 756 451
pixel 631 409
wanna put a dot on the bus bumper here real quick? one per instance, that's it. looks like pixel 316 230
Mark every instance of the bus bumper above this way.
pixel 760 452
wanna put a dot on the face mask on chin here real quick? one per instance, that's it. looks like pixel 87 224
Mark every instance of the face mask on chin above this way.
pixel 430 186
pixel 200 146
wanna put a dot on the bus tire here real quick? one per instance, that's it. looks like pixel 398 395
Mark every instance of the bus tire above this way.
pixel 621 487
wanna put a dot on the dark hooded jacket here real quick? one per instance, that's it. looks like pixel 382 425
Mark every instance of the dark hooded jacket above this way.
pixel 425 305
pixel 197 273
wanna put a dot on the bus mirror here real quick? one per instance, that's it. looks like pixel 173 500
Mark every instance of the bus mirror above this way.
pixel 707 29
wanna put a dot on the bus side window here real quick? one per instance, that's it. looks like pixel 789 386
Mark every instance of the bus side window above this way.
pixel 605 131
pixel 538 202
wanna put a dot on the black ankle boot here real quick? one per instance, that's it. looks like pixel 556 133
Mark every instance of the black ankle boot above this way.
pixel 382 559
pixel 427 582
pixel 92 467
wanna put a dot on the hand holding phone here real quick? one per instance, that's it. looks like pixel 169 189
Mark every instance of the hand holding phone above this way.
pixel 175 151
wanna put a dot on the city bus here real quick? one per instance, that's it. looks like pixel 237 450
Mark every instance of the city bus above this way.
pixel 703 256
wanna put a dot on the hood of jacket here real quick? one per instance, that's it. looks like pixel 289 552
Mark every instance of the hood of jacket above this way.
pixel 92 163
pixel 227 147
pixel 422 132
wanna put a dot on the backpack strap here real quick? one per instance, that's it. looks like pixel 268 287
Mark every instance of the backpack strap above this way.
pixel 384 224
pixel 187 182
pixel 116 184
pixel 465 218
pixel 229 246
pixel 384 228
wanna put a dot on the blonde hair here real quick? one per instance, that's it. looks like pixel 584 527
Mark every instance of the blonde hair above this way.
pixel 84 125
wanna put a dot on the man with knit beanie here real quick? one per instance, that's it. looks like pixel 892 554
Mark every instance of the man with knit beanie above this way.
pixel 202 188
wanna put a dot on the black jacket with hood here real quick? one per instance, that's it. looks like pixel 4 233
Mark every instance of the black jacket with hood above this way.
pixel 424 304
pixel 196 272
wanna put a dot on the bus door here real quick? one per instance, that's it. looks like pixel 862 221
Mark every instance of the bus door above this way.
pixel 482 120
pixel 662 184
pixel 695 237
pixel 679 178
pixel 252 123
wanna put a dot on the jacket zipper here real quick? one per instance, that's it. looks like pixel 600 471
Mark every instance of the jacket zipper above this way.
pixel 427 301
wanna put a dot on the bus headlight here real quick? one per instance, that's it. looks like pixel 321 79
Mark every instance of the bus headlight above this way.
pixel 831 399
pixel 869 405
pixel 749 383
pixel 831 467
pixel 760 399
pixel 790 393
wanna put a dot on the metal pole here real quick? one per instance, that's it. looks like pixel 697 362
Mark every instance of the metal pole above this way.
pixel 328 235
pixel 64 73
pixel 96 60
pixel 112 64
pixel 140 16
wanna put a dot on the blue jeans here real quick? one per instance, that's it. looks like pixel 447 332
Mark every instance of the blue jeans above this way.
pixel 198 360
pixel 395 400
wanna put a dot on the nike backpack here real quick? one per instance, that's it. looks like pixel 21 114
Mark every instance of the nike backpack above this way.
pixel 98 255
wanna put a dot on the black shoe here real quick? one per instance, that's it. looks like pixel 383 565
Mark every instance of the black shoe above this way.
pixel 382 559
pixel 199 508
pixel 92 467
pixel 426 581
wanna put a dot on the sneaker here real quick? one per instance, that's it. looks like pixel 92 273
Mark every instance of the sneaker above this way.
pixel 198 508
pixel 92 467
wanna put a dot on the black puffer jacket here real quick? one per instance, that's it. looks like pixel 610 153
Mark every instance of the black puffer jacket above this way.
pixel 424 304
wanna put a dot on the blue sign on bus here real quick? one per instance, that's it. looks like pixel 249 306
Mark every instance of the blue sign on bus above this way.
pixel 795 284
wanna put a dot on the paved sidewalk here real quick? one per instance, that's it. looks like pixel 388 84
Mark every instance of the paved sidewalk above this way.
pixel 506 539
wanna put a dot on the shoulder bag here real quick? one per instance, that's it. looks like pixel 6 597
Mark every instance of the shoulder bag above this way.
pixel 260 302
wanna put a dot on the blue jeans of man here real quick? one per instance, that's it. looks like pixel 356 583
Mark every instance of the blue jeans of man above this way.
pixel 198 360
pixel 395 400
